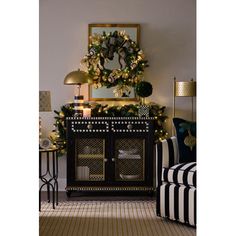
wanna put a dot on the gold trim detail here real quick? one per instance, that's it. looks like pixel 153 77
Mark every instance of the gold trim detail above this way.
pixel 106 25
pixel 91 188
pixel 90 26
pixel 108 99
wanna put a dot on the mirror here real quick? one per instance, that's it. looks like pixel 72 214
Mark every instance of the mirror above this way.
pixel 103 93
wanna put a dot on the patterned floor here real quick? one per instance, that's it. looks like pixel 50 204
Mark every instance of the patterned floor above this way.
pixel 107 218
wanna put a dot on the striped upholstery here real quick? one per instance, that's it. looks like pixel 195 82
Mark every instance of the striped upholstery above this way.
pixel 177 203
pixel 184 173
pixel 176 184
pixel 167 155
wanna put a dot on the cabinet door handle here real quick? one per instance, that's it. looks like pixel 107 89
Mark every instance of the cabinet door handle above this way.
pixel 129 126
pixel 89 126
pixel 113 159
pixel 105 160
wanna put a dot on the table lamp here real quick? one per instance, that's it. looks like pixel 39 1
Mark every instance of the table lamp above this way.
pixel 44 106
pixel 77 78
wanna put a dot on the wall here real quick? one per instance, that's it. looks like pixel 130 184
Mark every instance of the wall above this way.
pixel 168 38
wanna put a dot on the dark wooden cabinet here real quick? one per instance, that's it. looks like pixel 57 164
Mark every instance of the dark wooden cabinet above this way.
pixel 109 154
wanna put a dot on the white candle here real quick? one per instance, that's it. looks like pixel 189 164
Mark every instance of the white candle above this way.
pixel 87 112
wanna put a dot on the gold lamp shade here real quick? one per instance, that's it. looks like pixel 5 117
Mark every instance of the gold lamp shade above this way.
pixel 185 88
pixel 77 77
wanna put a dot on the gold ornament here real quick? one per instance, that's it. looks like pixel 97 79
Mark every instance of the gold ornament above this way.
pixel 190 140
pixel 104 78
pixel 61 114
pixel 96 38
pixel 121 89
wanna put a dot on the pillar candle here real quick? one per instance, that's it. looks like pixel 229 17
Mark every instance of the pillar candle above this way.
pixel 87 112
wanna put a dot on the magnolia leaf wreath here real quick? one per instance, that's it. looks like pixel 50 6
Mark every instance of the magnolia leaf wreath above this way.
pixel 130 57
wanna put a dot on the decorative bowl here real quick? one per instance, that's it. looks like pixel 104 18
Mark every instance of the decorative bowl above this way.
pixel 128 151
pixel 129 177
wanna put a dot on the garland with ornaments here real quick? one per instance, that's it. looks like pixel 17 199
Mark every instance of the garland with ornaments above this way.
pixel 130 57
pixel 58 135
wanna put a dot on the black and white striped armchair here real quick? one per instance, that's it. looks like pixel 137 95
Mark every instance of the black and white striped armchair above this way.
pixel 175 184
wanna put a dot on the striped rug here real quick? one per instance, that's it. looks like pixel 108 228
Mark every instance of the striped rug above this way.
pixel 107 218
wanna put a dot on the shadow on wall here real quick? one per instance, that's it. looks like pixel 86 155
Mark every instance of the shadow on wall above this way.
pixel 171 53
pixel 168 48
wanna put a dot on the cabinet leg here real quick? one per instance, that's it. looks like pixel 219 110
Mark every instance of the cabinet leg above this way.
pixel 68 193
pixel 150 193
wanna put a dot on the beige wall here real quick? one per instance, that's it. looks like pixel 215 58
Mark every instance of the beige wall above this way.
pixel 168 38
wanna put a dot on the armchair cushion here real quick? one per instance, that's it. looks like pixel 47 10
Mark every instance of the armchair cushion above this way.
pixel 181 174
pixel 186 137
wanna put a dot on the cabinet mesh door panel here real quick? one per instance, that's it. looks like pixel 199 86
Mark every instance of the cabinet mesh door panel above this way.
pixel 129 159
pixel 90 154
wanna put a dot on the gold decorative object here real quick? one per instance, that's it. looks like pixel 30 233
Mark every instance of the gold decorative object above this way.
pixel 103 188
pixel 111 27
pixel 184 89
pixel 77 78
pixel 190 140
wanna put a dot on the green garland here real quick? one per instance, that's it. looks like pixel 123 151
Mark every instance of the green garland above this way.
pixel 99 110
pixel 130 57
pixel 58 136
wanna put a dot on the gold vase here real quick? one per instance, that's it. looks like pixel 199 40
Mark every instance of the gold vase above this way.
pixel 142 100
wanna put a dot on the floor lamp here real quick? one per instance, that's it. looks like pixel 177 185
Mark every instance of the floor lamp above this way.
pixel 77 78
pixel 183 89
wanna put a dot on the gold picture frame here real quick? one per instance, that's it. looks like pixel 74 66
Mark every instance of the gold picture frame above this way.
pixel 105 94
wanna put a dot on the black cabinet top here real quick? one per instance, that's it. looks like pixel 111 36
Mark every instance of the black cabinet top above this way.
pixel 110 118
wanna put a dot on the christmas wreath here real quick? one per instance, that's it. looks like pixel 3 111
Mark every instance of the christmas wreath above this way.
pixel 130 58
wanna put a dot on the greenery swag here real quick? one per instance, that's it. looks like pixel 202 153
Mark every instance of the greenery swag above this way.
pixel 58 136
pixel 130 58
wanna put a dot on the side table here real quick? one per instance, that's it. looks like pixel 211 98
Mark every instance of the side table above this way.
pixel 49 179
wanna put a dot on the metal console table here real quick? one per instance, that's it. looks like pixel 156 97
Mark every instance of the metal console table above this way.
pixel 49 179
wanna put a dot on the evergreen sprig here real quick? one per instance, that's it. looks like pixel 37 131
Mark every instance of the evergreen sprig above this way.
pixel 100 110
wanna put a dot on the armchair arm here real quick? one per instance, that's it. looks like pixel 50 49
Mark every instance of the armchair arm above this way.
pixel 167 155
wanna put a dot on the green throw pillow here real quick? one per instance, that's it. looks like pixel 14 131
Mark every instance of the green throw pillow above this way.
pixel 186 136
